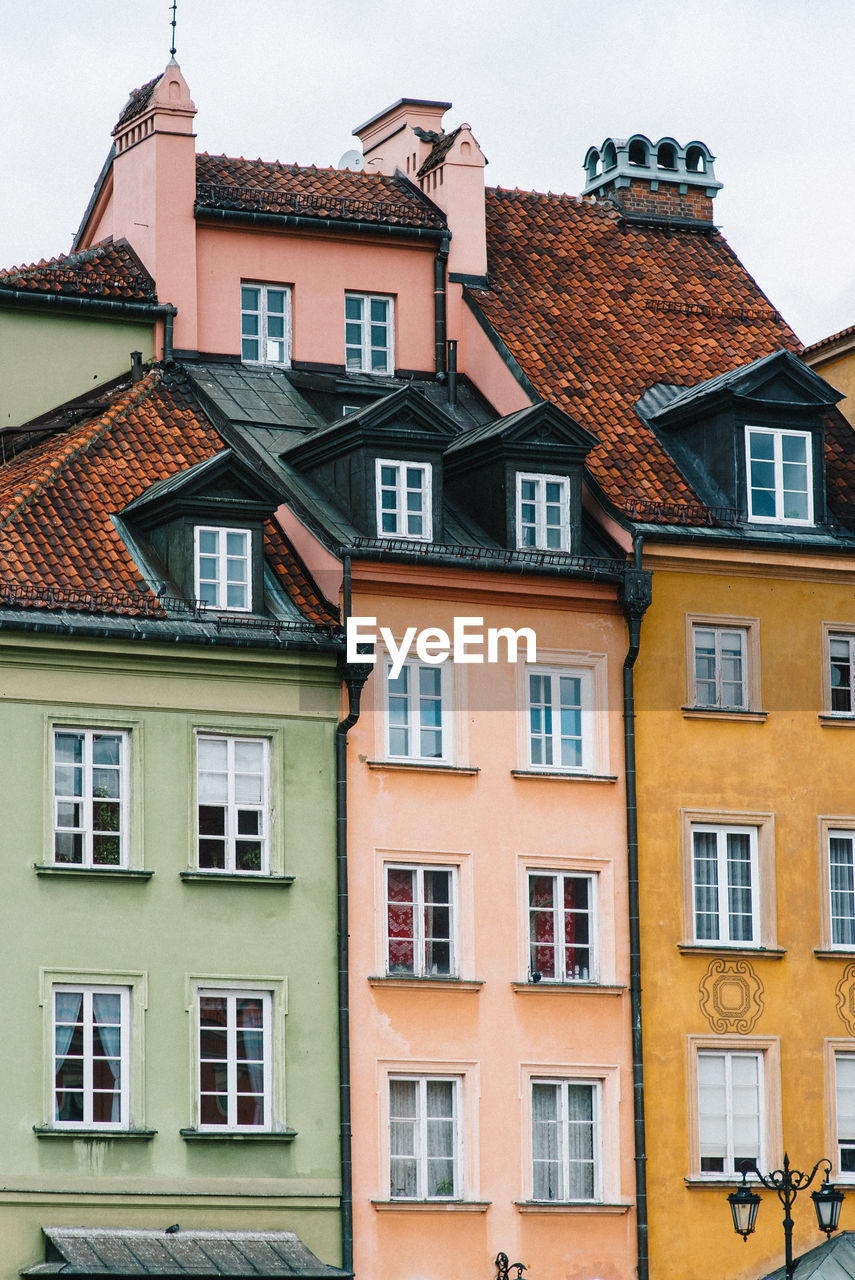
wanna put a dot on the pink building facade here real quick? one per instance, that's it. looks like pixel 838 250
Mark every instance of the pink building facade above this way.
pixel 490 1030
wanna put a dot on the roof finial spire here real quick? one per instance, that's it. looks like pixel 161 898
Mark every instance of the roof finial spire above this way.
pixel 172 24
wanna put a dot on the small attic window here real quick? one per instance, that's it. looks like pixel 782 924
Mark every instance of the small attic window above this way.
pixel 609 156
pixel 543 512
pixel 637 152
pixel 404 499
pixel 696 161
pixel 666 156
pixel 222 562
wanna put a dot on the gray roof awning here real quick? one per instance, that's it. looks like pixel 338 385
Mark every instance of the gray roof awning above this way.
pixel 143 1251
pixel 832 1260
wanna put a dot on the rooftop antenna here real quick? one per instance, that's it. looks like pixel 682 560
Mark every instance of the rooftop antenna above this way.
pixel 172 24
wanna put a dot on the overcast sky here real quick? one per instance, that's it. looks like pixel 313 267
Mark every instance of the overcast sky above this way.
pixel 767 84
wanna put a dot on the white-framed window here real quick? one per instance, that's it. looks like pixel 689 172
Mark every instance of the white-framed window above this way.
pixel 562 926
pixel 841 673
pixel 566 1144
pixel 421 920
pixel 559 710
pixel 265 323
pixel 731 1110
pixel 403 495
pixel 235 1059
pixel 844 1088
pixel 233 803
pixel 543 512
pixel 725 885
pixel 841 885
pixel 91 1056
pixel 223 567
pixel 418 712
pixel 719 657
pixel 90 797
pixel 369 333
pixel 780 475
pixel 425 1138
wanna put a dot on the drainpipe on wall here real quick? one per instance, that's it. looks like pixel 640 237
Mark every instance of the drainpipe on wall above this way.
pixel 354 678
pixel 439 302
pixel 635 599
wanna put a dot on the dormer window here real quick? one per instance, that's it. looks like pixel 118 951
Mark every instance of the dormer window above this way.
pixel 780 476
pixel 265 324
pixel 403 499
pixel 543 512
pixel 223 569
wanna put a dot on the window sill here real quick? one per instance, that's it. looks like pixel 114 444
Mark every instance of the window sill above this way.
pixel 834 953
pixel 569 1206
pixel 232 1135
pixel 557 775
pixel 435 984
pixel 717 949
pixel 431 1206
pixel 93 1135
pixel 723 713
pixel 424 765
pixel 714 1181
pixel 234 877
pixel 98 873
pixel 578 988
pixel 841 720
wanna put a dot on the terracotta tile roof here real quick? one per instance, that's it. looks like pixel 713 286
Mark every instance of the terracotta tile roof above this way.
pixel 137 102
pixel 595 311
pixel 57 498
pixel 111 271
pixel 270 187
pixel 822 343
pixel 439 151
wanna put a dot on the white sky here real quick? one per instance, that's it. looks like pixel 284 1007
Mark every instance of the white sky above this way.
pixel 767 84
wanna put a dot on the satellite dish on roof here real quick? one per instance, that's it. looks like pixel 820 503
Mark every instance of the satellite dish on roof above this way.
pixel 352 160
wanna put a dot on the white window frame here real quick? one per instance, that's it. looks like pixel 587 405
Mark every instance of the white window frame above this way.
pixel 221 581
pixel 562 1085
pixel 558 878
pixel 586 712
pixel 540 527
pixel 365 346
pixel 414 726
pixel 232 994
pixel 718 702
pixel 778 435
pixel 87 800
pixel 88 991
pixel 401 490
pixel 233 807
pixel 843 1140
pixel 768 1049
pixel 846 834
pixel 721 833
pixel 421 1145
pixel 729 1156
pixel 420 967
pixel 262 337
pixel 836 635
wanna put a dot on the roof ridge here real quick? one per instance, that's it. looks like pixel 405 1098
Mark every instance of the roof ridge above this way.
pixel 80 255
pixel 90 434
pixel 548 195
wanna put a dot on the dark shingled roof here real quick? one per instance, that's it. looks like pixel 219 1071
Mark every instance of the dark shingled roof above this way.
pixel 137 102
pixel 110 271
pixel 595 311
pixel 141 1251
pixel 270 187
pixel 58 497
pixel 438 152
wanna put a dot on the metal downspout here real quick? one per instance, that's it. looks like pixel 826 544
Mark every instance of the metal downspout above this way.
pixel 635 599
pixel 354 678
pixel 439 303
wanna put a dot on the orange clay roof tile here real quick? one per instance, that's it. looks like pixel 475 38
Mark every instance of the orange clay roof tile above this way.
pixel 108 271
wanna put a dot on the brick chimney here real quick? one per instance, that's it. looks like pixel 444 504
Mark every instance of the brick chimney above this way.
pixel 654 182
pixel 447 167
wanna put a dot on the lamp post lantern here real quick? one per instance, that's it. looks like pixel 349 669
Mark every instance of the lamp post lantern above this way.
pixel 787 1182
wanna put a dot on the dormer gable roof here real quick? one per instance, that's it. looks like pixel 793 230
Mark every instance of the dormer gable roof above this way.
pixel 404 417
pixel 538 424
pixel 780 379
pixel 220 485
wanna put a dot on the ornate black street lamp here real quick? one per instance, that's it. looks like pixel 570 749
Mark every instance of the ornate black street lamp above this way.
pixel 504 1268
pixel 787 1182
